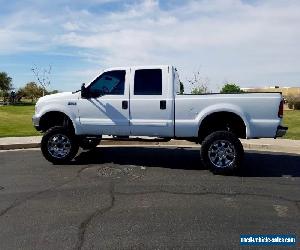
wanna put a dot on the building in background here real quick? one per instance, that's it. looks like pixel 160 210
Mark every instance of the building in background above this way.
pixel 286 91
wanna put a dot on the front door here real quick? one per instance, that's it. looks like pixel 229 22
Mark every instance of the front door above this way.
pixel 108 113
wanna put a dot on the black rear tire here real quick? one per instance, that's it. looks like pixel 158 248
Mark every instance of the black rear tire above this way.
pixel 59 145
pixel 222 152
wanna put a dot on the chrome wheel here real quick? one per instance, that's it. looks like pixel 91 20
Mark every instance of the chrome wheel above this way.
pixel 222 153
pixel 59 146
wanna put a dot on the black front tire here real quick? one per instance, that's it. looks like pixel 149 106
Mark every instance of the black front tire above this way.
pixel 222 152
pixel 59 145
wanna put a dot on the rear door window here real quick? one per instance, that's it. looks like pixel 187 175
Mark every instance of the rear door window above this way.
pixel 148 82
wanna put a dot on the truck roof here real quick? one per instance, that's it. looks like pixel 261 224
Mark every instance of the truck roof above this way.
pixel 138 67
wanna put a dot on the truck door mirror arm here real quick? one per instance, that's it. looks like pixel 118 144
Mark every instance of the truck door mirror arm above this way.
pixel 84 91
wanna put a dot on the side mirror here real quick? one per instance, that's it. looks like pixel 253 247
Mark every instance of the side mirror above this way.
pixel 84 93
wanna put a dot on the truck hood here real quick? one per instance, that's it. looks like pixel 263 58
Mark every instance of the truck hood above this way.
pixel 58 96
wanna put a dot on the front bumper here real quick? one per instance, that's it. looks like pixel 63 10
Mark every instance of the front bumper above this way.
pixel 281 131
pixel 36 122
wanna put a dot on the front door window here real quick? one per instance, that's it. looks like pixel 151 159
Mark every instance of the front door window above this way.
pixel 109 83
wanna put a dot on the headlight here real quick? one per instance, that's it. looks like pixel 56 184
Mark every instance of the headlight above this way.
pixel 36 108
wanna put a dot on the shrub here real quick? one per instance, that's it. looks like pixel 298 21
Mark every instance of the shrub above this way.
pixel 292 101
pixel 231 88
pixel 297 105
pixel 290 105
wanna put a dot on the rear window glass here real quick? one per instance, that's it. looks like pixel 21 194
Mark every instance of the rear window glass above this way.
pixel 148 82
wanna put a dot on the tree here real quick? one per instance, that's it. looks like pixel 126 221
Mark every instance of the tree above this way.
pixel 5 84
pixel 181 91
pixel 199 84
pixel 231 88
pixel 42 76
pixel 31 91
pixel 198 91
pixel 55 91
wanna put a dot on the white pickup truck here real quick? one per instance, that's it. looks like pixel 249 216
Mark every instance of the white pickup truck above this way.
pixel 145 101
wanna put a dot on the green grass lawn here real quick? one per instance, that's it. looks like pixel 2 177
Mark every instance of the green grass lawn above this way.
pixel 291 118
pixel 16 121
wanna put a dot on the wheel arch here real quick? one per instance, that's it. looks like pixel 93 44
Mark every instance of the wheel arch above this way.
pixel 56 118
pixel 218 119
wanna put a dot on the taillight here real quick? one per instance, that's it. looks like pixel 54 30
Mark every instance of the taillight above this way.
pixel 280 110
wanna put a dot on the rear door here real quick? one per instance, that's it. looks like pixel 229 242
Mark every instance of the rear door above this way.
pixel 151 102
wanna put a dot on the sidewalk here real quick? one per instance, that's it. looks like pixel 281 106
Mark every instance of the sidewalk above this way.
pixel 274 145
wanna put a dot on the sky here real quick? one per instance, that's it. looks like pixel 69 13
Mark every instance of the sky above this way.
pixel 247 42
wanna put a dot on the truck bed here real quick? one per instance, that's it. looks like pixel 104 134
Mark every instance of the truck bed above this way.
pixel 259 112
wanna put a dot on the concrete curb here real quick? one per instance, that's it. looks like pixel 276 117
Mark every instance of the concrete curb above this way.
pixel 271 148
pixel 19 146
pixel 104 141
pixel 107 141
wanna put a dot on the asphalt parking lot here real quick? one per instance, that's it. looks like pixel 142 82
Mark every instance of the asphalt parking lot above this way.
pixel 144 198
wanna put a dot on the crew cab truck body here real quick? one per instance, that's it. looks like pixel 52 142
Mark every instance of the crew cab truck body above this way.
pixel 145 101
